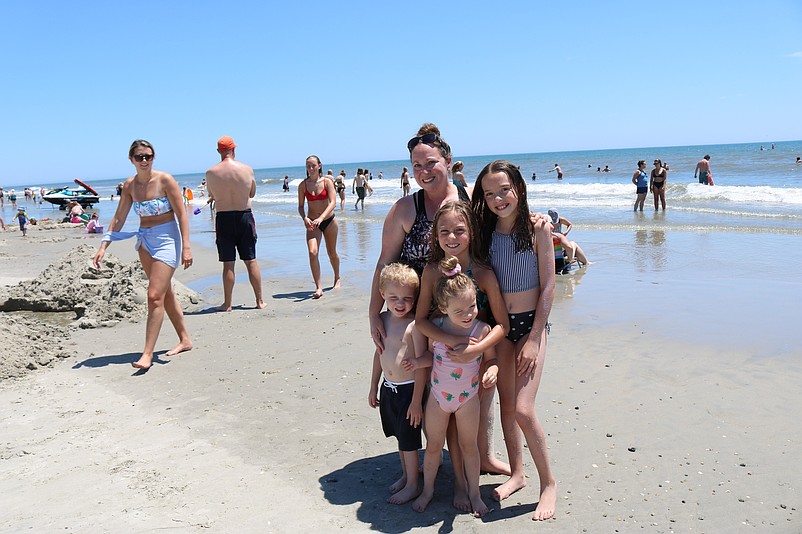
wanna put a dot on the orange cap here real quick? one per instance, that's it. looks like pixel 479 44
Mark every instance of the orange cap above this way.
pixel 226 143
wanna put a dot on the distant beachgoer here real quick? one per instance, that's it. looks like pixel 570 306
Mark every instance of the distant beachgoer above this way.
pixel 641 180
pixel 534 176
pixel 161 242
pixel 12 196
pixel 359 186
pixel 456 174
pixel 286 185
pixel 405 180
pixel 22 217
pixel 318 191
pixel 799 160
pixel 657 183
pixel 561 228
pixel 393 389
pixel 606 169
pixel 381 176
pixel 232 186
pixel 93 226
pixel 772 146
pixel 703 170
pixel 339 187
pixel 3 194
pixel 558 170
pixel 76 212
pixel 119 189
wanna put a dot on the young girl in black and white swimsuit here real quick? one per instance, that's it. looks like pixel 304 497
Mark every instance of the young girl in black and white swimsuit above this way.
pixel 522 257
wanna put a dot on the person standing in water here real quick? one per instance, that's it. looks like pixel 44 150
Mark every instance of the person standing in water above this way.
pixel 703 170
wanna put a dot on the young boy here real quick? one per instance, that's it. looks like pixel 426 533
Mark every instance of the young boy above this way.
pixel 401 401
pixel 23 221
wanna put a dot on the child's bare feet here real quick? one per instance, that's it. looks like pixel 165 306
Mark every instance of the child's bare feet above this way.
pixel 547 504
pixel 479 508
pixel 183 346
pixel 514 484
pixel 399 484
pixel 422 501
pixel 144 362
pixel 494 466
pixel 405 495
pixel 461 501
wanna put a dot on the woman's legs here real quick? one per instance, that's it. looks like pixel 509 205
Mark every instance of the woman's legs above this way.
pixel 313 244
pixel 662 198
pixel 330 235
pixel 160 298
pixel 526 387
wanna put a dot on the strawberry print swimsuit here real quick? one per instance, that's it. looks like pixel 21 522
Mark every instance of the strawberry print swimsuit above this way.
pixel 452 383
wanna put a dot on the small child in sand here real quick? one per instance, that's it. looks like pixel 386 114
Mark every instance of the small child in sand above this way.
pixel 22 217
pixel 401 400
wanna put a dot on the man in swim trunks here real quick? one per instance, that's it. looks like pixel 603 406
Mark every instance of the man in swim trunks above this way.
pixel 558 170
pixel 703 170
pixel 231 185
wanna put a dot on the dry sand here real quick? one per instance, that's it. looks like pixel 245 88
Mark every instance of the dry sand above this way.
pixel 264 426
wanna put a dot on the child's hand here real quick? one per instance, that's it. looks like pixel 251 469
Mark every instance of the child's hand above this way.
pixel 464 352
pixel 490 377
pixel 415 414
pixel 410 365
pixel 373 399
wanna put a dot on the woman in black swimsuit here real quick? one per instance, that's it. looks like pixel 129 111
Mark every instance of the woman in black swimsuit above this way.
pixel 657 183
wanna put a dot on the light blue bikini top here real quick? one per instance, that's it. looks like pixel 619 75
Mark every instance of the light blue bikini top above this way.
pixel 154 206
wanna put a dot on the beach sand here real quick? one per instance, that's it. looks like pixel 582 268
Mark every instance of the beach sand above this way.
pixel 657 420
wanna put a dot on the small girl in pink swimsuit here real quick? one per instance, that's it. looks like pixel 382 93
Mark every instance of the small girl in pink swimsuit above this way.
pixel 455 384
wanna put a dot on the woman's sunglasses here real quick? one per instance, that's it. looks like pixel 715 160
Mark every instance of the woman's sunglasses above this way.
pixel 142 157
pixel 426 139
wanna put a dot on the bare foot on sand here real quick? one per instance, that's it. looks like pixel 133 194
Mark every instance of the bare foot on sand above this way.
pixel 404 496
pixel 260 305
pixel 508 488
pixel 399 484
pixel 223 308
pixel 423 501
pixel 318 293
pixel 183 346
pixel 547 504
pixel 479 508
pixel 494 466
pixel 144 362
pixel 336 284
pixel 461 501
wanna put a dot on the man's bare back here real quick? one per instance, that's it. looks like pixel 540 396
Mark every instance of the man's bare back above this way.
pixel 231 184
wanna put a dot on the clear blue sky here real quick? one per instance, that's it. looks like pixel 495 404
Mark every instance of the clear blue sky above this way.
pixel 352 81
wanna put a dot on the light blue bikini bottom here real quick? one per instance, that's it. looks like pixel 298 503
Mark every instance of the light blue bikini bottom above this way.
pixel 163 242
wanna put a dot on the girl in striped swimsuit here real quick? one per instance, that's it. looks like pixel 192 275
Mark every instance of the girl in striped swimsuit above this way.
pixel 522 256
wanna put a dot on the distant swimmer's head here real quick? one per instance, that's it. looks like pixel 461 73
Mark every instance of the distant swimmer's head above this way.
pixel 226 144
pixel 554 216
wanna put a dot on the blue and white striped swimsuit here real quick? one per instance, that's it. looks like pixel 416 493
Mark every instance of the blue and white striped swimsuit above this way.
pixel 516 271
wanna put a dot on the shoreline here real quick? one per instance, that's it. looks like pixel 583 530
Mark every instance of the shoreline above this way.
pixel 271 405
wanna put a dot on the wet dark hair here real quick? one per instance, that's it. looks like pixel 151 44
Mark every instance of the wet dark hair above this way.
pixel 523 231
pixel 138 143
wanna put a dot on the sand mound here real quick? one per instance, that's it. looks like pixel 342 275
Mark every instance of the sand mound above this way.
pixel 29 344
pixel 98 297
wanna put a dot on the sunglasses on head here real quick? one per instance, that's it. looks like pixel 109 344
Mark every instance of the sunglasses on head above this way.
pixel 143 157
pixel 427 139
